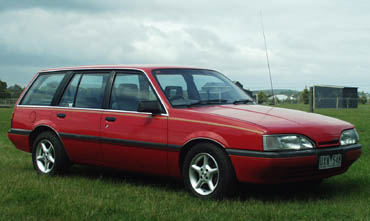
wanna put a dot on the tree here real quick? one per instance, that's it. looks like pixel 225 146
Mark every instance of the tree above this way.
pixel 4 93
pixel 362 98
pixel 261 97
pixel 15 91
pixel 305 95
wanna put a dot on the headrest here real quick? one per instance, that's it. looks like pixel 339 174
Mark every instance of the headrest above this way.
pixel 128 89
pixel 178 91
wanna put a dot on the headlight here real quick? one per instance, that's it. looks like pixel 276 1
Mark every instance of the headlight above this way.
pixel 286 142
pixel 349 137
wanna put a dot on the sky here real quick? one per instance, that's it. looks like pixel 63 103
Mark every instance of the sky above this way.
pixel 315 42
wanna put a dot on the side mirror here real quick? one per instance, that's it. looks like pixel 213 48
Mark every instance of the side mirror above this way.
pixel 150 106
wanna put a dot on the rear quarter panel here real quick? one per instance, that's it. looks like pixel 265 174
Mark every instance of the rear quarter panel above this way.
pixel 28 118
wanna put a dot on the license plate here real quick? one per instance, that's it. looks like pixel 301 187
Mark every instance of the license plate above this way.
pixel 330 161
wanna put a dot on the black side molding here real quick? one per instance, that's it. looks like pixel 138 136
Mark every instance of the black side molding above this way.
pixel 136 143
pixel 140 144
pixel 19 131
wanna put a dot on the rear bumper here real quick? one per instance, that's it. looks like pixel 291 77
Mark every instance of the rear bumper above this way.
pixel 292 166
pixel 20 139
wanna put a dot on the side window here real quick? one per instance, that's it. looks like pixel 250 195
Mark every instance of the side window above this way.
pixel 90 92
pixel 70 93
pixel 173 85
pixel 128 90
pixel 43 89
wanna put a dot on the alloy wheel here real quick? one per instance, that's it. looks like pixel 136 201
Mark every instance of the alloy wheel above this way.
pixel 203 174
pixel 45 156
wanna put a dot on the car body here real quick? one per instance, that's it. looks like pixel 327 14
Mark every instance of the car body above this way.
pixel 183 122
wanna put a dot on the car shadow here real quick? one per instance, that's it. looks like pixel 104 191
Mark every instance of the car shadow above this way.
pixel 243 192
pixel 297 191
pixel 118 176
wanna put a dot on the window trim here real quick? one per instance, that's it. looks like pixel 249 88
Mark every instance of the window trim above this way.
pixel 156 93
pixel 77 87
pixel 97 71
pixel 105 96
pixel 59 93
pixel 138 72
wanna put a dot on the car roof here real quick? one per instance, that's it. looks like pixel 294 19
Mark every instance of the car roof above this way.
pixel 145 67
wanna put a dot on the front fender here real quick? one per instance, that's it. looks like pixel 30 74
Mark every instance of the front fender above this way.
pixel 208 135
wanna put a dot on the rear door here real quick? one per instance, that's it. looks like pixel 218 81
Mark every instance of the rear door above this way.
pixel 78 115
pixel 130 139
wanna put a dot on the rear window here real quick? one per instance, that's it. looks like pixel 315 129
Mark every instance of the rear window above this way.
pixel 43 89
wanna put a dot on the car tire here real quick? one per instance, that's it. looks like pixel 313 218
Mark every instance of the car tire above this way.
pixel 48 154
pixel 208 172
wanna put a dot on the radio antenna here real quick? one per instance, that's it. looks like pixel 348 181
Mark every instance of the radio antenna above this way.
pixel 267 59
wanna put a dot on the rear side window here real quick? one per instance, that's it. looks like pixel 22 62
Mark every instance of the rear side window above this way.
pixel 43 89
pixel 90 91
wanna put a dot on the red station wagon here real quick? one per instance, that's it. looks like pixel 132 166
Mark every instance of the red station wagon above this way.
pixel 188 123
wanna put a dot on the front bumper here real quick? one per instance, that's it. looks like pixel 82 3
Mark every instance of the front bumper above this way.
pixel 288 166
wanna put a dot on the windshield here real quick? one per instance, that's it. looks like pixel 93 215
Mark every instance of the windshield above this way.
pixel 188 87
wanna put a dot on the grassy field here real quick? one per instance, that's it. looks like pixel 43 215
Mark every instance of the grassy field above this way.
pixel 95 194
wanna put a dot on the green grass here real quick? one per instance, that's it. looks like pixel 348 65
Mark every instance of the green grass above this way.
pixel 88 193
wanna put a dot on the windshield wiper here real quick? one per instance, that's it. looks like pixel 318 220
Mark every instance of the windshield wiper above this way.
pixel 243 101
pixel 214 101
pixel 194 104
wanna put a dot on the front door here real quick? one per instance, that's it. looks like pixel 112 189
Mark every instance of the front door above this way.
pixel 132 140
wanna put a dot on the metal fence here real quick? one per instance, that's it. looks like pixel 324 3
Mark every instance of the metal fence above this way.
pixel 334 96
pixel 336 102
pixel 7 102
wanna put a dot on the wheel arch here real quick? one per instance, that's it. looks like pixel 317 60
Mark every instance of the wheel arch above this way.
pixel 191 143
pixel 42 128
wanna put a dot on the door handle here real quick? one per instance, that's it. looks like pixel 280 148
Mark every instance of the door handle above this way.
pixel 60 115
pixel 111 119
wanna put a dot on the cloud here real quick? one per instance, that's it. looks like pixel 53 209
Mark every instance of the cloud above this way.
pixel 315 42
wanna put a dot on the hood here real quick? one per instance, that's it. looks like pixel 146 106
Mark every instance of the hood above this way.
pixel 321 129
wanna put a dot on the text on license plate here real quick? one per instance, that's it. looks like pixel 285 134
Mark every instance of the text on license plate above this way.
pixel 330 161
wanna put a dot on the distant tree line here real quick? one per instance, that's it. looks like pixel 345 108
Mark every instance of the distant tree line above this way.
pixel 362 98
pixel 9 92
pixel 265 97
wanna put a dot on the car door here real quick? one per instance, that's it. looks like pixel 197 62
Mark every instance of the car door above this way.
pixel 130 139
pixel 78 116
